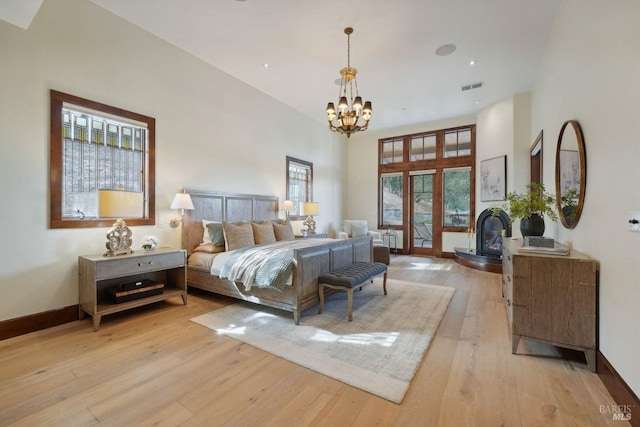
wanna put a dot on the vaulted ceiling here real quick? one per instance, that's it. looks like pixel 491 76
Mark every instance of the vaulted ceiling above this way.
pixel 393 47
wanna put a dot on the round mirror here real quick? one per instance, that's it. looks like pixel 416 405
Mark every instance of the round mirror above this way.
pixel 571 173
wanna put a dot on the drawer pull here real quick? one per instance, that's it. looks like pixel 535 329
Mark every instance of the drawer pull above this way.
pixel 142 264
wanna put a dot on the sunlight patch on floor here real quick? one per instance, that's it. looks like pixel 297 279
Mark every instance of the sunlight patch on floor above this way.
pixel 256 318
pixel 429 266
pixel 385 339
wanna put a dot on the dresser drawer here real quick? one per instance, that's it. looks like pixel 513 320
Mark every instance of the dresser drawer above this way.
pixel 116 267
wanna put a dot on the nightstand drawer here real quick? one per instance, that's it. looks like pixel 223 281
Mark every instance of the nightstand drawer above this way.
pixel 139 264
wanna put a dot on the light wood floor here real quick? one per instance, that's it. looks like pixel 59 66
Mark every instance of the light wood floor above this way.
pixel 155 367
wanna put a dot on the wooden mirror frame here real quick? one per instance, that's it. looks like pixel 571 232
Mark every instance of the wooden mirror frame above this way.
pixel 582 159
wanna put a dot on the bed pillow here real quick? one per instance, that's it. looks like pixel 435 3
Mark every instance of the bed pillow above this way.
pixel 263 233
pixel 283 231
pixel 206 238
pixel 358 230
pixel 209 248
pixel 216 234
pixel 237 236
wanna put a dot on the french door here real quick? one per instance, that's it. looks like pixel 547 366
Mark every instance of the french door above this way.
pixel 424 227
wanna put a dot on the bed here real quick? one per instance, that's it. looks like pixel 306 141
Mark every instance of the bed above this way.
pixel 309 262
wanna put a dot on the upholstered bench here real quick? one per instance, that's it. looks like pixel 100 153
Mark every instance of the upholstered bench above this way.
pixel 350 277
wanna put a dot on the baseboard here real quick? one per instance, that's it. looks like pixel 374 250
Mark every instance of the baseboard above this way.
pixel 38 321
pixel 449 255
pixel 622 394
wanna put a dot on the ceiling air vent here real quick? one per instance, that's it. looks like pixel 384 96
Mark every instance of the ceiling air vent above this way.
pixel 472 86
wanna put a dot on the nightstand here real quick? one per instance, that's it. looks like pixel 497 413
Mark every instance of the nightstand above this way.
pixel 98 273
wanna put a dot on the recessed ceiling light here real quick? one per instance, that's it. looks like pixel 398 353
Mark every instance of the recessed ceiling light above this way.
pixel 446 49
pixel 265 65
pixel 477 102
pixel 472 62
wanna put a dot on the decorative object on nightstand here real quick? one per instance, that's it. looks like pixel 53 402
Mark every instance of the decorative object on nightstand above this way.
pixel 181 201
pixel 287 207
pixel 310 209
pixel 119 204
pixel 149 243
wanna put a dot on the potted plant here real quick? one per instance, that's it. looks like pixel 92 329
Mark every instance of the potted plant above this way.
pixel 530 208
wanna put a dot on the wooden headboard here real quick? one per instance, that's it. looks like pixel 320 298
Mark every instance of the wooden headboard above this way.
pixel 219 206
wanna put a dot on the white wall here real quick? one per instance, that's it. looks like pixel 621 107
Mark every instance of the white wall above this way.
pixel 590 73
pixel 362 187
pixel 213 132
pixel 503 129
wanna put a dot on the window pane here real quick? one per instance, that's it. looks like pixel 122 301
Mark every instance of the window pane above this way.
pixel 423 147
pixel 391 199
pixel 457 143
pixel 457 198
pixel 392 151
pixel 423 210
pixel 299 181
pixel 92 163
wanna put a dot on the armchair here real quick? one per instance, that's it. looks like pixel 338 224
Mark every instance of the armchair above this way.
pixel 357 228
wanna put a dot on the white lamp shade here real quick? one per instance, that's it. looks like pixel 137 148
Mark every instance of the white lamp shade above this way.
pixel 120 204
pixel 182 201
pixel 310 208
pixel 288 206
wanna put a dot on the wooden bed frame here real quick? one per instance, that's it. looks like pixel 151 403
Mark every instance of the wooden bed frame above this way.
pixel 310 262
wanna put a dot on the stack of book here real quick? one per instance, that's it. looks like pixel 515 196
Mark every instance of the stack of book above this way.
pixel 134 290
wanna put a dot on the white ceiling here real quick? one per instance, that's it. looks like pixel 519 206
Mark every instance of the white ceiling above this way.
pixel 393 47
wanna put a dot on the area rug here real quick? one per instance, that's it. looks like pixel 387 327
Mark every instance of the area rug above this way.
pixel 378 352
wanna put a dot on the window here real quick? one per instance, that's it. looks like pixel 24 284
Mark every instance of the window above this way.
pixel 392 151
pixel 457 143
pixel 443 198
pixel 96 147
pixel 391 199
pixel 423 147
pixel 299 183
pixel 456 198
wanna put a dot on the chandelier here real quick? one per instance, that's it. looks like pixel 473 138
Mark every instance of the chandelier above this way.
pixel 347 119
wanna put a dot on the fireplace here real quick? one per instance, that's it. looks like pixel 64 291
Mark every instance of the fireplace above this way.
pixel 488 253
pixel 489 233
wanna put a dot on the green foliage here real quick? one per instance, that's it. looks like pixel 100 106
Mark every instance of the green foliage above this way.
pixel 533 201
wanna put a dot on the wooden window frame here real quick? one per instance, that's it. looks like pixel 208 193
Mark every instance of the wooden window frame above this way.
pixel 309 184
pixel 439 164
pixel 56 219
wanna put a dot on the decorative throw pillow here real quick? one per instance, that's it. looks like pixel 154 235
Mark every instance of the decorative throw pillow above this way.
pixel 263 233
pixel 209 248
pixel 216 235
pixel 237 236
pixel 358 230
pixel 283 231
pixel 205 236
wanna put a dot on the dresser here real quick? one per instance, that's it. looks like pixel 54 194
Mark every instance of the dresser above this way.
pixel 98 272
pixel 551 298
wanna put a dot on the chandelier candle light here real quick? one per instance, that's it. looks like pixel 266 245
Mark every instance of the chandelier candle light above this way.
pixel 349 113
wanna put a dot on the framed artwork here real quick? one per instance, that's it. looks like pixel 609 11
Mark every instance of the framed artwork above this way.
pixel 493 179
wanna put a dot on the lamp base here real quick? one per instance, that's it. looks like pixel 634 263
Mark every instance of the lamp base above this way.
pixel 311 225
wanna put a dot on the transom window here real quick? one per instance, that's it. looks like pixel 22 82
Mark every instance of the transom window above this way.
pixel 392 151
pixel 457 143
pixel 423 147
